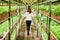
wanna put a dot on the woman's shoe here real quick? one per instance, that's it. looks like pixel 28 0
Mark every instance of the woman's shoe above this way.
pixel 27 33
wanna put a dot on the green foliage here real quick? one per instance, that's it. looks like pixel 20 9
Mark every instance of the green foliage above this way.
pixel 39 28
pixel 54 27
pixel 6 9
pixel 3 9
pixel 4 27
pixel 54 9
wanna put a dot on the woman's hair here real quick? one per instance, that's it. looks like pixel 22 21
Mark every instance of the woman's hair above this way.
pixel 29 9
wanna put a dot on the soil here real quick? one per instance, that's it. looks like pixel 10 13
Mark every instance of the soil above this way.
pixel 52 15
pixel 4 16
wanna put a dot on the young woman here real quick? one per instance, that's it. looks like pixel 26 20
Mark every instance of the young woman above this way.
pixel 28 16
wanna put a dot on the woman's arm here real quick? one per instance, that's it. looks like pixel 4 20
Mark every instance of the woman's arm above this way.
pixel 33 14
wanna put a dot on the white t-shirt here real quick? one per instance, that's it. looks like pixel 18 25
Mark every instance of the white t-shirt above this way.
pixel 28 16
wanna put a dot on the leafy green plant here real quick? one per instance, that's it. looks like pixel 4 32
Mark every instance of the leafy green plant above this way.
pixel 6 9
pixel 54 26
pixel 4 27
pixel 54 9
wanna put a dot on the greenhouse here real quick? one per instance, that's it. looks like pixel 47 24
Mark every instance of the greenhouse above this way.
pixel 29 19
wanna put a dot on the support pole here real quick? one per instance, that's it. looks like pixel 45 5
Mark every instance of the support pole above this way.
pixel 49 21
pixel 9 15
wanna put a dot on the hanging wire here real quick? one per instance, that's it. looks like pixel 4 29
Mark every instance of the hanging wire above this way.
pixel 17 11
pixel 19 20
pixel 41 26
pixel 37 17
pixel 47 24
pixel 16 15
pixel 12 22
pixel 19 8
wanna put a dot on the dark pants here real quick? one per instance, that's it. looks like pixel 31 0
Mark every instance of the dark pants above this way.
pixel 28 23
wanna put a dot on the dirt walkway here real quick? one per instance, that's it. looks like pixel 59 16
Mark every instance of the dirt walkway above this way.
pixel 33 33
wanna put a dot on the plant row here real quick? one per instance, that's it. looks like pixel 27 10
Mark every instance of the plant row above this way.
pixel 4 9
pixel 54 9
pixel 54 26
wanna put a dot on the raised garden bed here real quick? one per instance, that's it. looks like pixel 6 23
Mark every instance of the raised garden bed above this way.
pixel 54 15
pixel 4 9
pixel 6 25
pixel 5 28
pixel 54 27
pixel 5 15
pixel 52 36
pixel 54 9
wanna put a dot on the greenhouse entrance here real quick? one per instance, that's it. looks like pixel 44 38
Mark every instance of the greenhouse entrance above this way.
pixel 45 24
